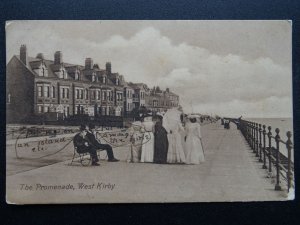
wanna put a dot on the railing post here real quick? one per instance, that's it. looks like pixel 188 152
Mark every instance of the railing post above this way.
pixel 253 137
pixel 256 141
pixel 289 147
pixel 264 147
pixel 269 152
pixel 277 138
pixel 260 145
pixel 248 133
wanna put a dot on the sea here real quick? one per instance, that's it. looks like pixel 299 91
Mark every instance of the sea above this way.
pixel 283 124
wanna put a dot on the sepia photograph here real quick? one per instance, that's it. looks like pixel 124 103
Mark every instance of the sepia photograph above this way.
pixel 149 111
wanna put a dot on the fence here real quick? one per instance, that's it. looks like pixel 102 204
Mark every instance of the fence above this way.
pixel 259 138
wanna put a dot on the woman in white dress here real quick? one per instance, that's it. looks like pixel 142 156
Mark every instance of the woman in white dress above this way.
pixel 193 146
pixel 148 140
pixel 172 124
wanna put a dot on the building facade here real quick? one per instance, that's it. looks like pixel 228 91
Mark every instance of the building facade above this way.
pixel 158 100
pixel 38 86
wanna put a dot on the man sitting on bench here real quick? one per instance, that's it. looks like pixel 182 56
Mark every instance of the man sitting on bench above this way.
pixel 82 145
pixel 97 145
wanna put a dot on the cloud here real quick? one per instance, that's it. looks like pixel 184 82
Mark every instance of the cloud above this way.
pixel 224 84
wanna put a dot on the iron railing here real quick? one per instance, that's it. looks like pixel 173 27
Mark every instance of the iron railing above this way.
pixel 261 140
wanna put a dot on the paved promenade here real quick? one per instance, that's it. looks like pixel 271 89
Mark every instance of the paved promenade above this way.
pixel 230 173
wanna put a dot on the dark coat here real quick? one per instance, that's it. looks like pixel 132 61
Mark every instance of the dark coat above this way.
pixel 92 140
pixel 161 144
pixel 79 143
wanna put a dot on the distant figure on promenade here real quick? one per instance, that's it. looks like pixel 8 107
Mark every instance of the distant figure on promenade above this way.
pixel 148 139
pixel 135 149
pixel 172 124
pixel 193 146
pixel 82 145
pixel 91 136
pixel 161 143
pixel 226 124
pixel 238 122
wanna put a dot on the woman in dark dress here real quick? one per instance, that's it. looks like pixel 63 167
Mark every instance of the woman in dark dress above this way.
pixel 161 143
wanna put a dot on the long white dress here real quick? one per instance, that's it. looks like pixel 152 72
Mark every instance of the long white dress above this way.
pixel 193 146
pixel 172 124
pixel 175 150
pixel 148 142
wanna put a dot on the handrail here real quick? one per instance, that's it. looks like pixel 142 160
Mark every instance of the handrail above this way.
pixel 259 138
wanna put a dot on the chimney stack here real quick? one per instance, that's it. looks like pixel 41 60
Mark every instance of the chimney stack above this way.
pixel 58 58
pixel 168 90
pixel 23 54
pixel 108 68
pixel 89 63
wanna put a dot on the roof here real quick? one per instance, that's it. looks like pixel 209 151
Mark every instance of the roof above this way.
pixel 34 63
pixel 138 85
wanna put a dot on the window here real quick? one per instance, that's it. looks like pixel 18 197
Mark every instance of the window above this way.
pixel 119 96
pixel 103 95
pixel 40 94
pixel 108 95
pixel 94 94
pixel 77 76
pixel 86 94
pixel 66 111
pixel 81 93
pixel 46 108
pixel 40 109
pixel 93 78
pixel 64 74
pixel 98 95
pixel 117 81
pixel 77 94
pixel 53 92
pixel 128 106
pixel 103 111
pixel 104 80
pixel 64 92
pixel 46 91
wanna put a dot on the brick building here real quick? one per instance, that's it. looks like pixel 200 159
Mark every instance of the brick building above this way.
pixel 38 86
pixel 158 100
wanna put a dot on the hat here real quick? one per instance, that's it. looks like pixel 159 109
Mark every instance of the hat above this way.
pixel 92 126
pixel 82 127
pixel 147 115
pixel 193 116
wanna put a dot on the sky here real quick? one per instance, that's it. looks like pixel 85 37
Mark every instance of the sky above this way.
pixel 226 68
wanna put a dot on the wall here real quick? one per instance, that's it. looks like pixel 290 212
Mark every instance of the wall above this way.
pixel 19 83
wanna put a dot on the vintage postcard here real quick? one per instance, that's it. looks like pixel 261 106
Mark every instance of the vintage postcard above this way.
pixel 148 111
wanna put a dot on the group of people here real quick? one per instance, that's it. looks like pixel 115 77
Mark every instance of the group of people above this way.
pixel 86 142
pixel 171 138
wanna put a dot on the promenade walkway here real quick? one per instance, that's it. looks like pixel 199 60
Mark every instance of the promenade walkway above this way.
pixel 231 173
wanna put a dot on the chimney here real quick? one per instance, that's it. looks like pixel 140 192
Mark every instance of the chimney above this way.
pixel 108 68
pixel 168 90
pixel 88 63
pixel 23 54
pixel 58 58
